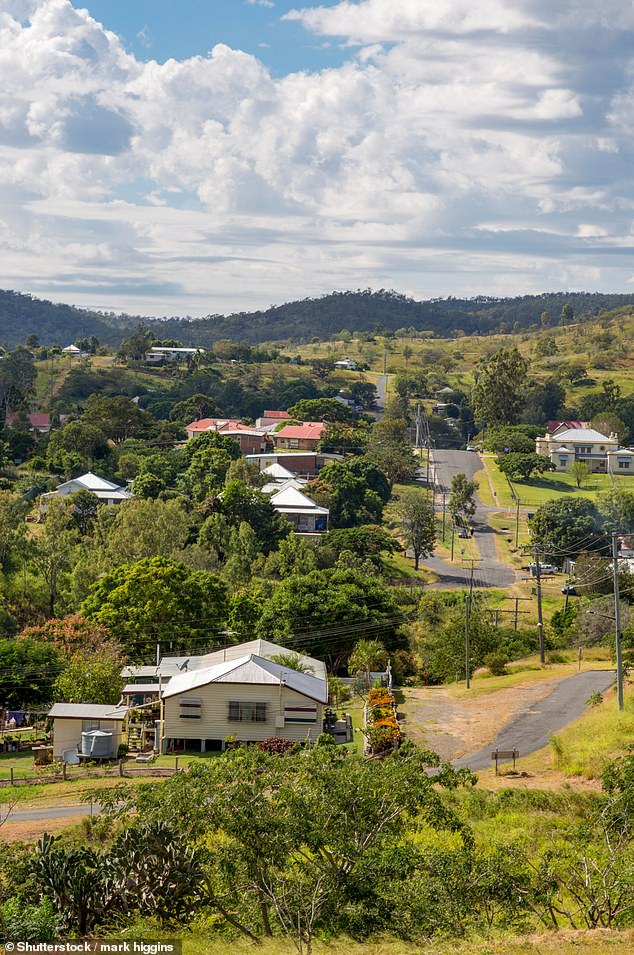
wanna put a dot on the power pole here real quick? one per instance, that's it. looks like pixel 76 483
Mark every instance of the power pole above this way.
pixel 617 623
pixel 453 530
pixel 466 638
pixel 517 523
pixel 385 361
pixel 540 619
pixel 443 517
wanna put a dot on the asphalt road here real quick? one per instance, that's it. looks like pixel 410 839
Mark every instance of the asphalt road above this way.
pixel 532 728
pixel 488 572
pixel 381 390
pixel 47 812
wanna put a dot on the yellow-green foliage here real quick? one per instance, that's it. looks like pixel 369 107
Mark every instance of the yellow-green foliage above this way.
pixel 585 748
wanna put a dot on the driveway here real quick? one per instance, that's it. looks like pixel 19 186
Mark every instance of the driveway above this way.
pixel 532 727
pixel 488 572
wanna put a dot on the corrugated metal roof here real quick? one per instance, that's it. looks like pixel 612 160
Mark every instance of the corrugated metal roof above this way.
pixel 583 434
pixel 174 666
pixel 293 499
pixel 87 711
pixel 251 669
pixel 92 482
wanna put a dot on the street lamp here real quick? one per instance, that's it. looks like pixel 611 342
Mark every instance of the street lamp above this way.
pixel 619 653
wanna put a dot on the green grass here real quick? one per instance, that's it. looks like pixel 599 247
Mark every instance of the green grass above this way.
pixel 549 486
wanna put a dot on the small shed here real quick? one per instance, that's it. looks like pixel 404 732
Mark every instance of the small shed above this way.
pixel 70 720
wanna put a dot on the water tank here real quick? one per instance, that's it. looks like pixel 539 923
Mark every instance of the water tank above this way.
pixel 97 743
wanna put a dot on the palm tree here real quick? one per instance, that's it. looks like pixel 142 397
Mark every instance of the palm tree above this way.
pixel 367 655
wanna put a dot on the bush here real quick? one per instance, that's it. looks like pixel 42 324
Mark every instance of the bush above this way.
pixel 275 745
pixel 496 663
pixel 29 923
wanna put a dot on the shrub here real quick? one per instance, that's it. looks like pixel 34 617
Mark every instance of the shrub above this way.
pixel 275 745
pixel 496 662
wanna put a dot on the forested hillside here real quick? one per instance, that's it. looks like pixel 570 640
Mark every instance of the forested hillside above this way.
pixel 22 315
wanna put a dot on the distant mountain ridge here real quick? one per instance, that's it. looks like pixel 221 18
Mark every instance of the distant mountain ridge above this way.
pixel 367 311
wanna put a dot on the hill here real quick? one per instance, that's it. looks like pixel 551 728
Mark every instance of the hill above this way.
pixel 360 311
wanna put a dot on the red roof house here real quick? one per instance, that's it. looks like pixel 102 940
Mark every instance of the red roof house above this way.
pixel 299 437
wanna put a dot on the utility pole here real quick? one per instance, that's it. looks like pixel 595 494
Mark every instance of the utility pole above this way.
pixel 517 523
pixel 385 361
pixel 617 622
pixel 467 622
pixel 443 517
pixel 540 619
pixel 453 530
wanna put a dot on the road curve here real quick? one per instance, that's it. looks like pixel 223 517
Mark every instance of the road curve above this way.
pixel 533 726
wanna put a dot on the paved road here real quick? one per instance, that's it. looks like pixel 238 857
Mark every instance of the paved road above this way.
pixel 531 729
pixel 489 572
pixel 381 389
pixel 47 812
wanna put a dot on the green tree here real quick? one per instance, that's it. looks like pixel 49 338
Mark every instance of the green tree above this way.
pixel 499 391
pixel 143 528
pixel 243 550
pixel 567 314
pixel 368 542
pixel 240 503
pixel 11 527
pixel 366 656
pixel 52 551
pixel 85 505
pixel 347 488
pixel 616 510
pixel 321 409
pixel 293 661
pixel 27 673
pixel 417 522
pixel 462 502
pixel 157 600
pixel 193 409
pixel 118 417
pixel 521 467
pixel 90 677
pixel 87 442
pixel 579 471
pixel 563 528
pixel 389 448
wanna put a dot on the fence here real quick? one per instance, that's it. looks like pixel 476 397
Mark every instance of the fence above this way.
pixel 70 773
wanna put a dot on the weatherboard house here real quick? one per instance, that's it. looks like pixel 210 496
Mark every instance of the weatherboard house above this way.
pixel 600 452
pixel 106 492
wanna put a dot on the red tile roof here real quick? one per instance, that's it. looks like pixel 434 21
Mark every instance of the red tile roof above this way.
pixel 279 415
pixel 37 419
pixel 219 424
pixel 570 425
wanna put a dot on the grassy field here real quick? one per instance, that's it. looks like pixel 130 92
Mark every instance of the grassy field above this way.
pixel 547 487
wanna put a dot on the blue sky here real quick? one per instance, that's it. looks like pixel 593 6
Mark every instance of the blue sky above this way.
pixel 161 29
pixel 198 156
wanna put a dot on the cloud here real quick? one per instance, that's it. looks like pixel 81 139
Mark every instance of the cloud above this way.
pixel 259 3
pixel 459 149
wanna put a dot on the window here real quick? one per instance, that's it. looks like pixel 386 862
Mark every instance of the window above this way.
pixel 624 465
pixel 189 707
pixel 247 712
pixel 584 449
pixel 293 443
pixel 88 725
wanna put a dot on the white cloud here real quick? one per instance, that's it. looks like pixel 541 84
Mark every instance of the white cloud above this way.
pixel 461 149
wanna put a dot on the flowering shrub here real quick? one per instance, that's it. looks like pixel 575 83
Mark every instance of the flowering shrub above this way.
pixel 382 731
pixel 275 745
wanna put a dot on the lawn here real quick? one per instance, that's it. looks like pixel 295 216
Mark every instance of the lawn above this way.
pixel 549 486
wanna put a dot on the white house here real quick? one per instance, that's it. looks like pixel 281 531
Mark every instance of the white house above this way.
pixel 70 720
pixel 157 354
pixel 346 364
pixel 305 516
pixel 250 698
pixel 579 444
pixel 107 492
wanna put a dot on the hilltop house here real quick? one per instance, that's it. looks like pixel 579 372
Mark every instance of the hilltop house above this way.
pixel 299 437
pixel 105 491
pixel 346 364
pixel 601 453
pixel 158 354
pixel 39 421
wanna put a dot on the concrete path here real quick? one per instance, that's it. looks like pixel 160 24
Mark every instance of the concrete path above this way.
pixel 489 572
pixel 533 726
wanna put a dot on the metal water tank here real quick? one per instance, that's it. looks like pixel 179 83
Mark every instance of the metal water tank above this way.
pixel 97 743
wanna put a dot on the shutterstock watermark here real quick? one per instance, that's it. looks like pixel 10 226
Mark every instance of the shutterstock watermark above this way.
pixel 148 947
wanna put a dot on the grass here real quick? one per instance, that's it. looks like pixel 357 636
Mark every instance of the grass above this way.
pixel 598 942
pixel 548 487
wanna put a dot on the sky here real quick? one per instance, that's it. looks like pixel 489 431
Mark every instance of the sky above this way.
pixel 193 157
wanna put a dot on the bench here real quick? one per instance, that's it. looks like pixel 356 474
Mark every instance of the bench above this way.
pixel 500 754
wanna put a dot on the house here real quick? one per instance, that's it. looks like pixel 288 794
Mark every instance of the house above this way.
pixel 580 444
pixel 158 354
pixel 621 461
pixel 346 364
pixel 168 667
pixel 270 419
pixel 250 698
pixel 303 465
pixel 106 491
pixel 300 437
pixel 251 440
pixel 70 720
pixel 305 516
pixel 74 352
pixel 38 421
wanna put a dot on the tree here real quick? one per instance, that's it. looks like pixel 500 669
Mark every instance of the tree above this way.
pixel 145 528
pixel 567 314
pixel 417 522
pixel 616 509
pixel 240 504
pixel 11 527
pixel 157 600
pixel 363 393
pixel 90 677
pixel 565 527
pixel 499 391
pixel 53 549
pixel 85 505
pixel 326 609
pixel 579 471
pixel 544 318
pixel 79 438
pixel 27 672
pixel 134 347
pixel 345 488
pixel 366 656
pixel 520 467
pixel 369 541
pixel 462 502
pixel 68 635
pixel 389 449
pixel 193 409
pixel 17 380
pixel 292 661
pixel 321 409
pixel 118 417
pixel 408 351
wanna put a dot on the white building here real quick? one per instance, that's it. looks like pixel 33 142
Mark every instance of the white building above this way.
pixel 157 354
pixel 305 516
pixel 581 444
pixel 70 720
pixel 107 492
pixel 346 364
